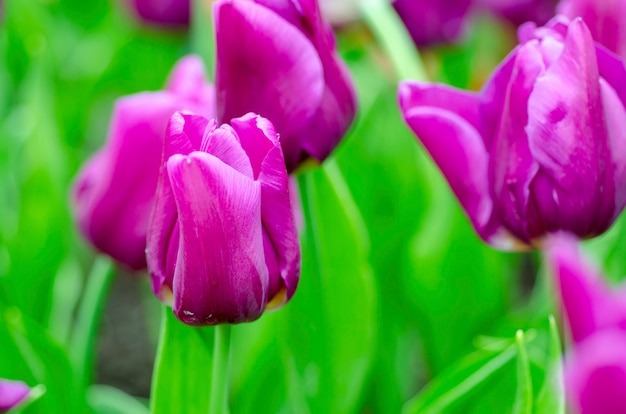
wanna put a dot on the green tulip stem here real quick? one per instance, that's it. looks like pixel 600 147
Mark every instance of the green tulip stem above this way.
pixel 88 318
pixel 202 33
pixel 221 368
pixel 392 36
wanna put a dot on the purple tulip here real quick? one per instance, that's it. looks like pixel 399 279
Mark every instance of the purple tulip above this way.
pixel 595 368
pixel 223 244
pixel 433 21
pixel 521 11
pixel 605 19
pixel 542 147
pixel 163 12
pixel 114 192
pixel 278 58
pixel 12 394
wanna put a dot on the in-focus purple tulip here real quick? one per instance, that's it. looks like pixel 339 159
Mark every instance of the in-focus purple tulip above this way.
pixel 279 59
pixel 163 12
pixel 114 192
pixel 542 147
pixel 222 243
pixel 521 11
pixel 12 394
pixel 595 367
pixel 433 21
pixel 605 19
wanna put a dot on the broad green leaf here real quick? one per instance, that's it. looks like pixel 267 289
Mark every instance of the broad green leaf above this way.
pixel 524 396
pixel 465 376
pixel 331 322
pixel 182 372
pixel 551 399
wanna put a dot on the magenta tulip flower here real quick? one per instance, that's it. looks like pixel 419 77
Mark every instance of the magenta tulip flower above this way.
pixel 433 21
pixel 595 367
pixel 521 11
pixel 278 59
pixel 542 147
pixel 222 243
pixel 12 394
pixel 605 19
pixel 114 192
pixel 163 12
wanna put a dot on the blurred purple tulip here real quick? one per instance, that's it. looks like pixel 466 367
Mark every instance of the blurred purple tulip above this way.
pixel 521 11
pixel 114 192
pixel 542 147
pixel 222 243
pixel 279 59
pixel 12 394
pixel 605 19
pixel 595 367
pixel 163 12
pixel 433 21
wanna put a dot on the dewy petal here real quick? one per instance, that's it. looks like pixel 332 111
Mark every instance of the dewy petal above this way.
pixel 586 301
pixel 113 209
pixel 266 65
pixel 568 138
pixel 221 275
pixel 454 143
pixel 595 374
pixel 511 166
pixel 12 393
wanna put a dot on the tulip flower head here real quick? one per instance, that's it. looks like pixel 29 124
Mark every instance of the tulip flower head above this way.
pixel 12 394
pixel 114 192
pixel 605 19
pixel 595 367
pixel 222 243
pixel 521 11
pixel 278 59
pixel 542 147
pixel 163 12
pixel 433 21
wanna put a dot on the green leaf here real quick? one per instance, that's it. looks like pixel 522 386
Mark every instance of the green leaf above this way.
pixel 182 373
pixel 551 399
pixel 331 322
pixel 459 380
pixel 104 399
pixel 524 397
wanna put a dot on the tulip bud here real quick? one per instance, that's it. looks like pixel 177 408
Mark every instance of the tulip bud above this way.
pixel 605 19
pixel 433 21
pixel 222 242
pixel 278 59
pixel 12 394
pixel 595 367
pixel 542 147
pixel 114 192
pixel 163 12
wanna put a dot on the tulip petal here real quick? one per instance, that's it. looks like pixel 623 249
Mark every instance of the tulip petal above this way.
pixel 267 66
pixel 258 137
pixel 224 143
pixel 12 393
pixel 568 137
pixel 454 143
pixel 595 374
pixel 114 193
pixel 512 167
pixel 221 275
pixel 189 82
pixel 585 299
